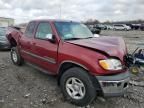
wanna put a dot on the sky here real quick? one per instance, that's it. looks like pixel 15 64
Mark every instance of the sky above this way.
pixel 78 10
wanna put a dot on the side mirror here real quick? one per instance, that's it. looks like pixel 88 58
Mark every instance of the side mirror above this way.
pixel 50 38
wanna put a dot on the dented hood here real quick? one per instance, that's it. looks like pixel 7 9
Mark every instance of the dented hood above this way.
pixel 112 46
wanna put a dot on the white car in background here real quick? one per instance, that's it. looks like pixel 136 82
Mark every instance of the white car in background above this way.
pixel 121 27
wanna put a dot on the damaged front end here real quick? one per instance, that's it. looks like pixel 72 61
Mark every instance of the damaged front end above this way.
pixel 114 85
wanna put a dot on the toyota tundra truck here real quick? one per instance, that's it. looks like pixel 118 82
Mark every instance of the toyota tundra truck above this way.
pixel 86 66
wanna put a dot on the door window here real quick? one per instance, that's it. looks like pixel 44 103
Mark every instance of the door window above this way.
pixel 43 31
pixel 30 29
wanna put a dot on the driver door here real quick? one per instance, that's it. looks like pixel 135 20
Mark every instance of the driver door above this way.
pixel 45 51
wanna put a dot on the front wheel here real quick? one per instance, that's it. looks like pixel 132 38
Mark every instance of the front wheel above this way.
pixel 77 86
pixel 16 57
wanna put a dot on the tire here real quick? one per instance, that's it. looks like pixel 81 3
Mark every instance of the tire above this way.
pixel 82 83
pixel 16 57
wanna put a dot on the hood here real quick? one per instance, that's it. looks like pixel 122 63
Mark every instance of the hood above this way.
pixel 112 46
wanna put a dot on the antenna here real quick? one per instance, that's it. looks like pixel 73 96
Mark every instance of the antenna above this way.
pixel 60 10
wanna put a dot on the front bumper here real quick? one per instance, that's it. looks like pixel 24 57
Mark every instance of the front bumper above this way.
pixel 114 85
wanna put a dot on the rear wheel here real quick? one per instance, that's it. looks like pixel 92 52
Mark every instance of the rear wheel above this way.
pixel 77 86
pixel 16 57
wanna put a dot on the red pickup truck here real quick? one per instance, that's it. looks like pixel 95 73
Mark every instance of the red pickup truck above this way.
pixel 86 66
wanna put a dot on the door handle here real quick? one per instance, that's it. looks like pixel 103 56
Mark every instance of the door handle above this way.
pixel 34 43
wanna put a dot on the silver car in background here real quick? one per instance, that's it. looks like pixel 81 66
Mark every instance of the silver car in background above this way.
pixel 121 27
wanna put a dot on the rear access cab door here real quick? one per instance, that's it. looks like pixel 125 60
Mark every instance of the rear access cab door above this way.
pixel 26 42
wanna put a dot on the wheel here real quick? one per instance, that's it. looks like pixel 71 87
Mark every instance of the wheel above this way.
pixel 77 87
pixel 16 57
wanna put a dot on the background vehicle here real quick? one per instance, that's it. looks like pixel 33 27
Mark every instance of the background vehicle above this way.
pixel 130 25
pixel 142 27
pixel 136 26
pixel 102 26
pixel 109 27
pixel 121 27
pixel 95 29
pixel 4 43
pixel 86 66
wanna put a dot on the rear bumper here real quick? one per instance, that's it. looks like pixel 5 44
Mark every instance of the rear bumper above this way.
pixel 114 85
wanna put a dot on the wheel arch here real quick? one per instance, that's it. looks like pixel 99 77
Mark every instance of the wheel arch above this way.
pixel 12 41
pixel 69 64
pixel 66 65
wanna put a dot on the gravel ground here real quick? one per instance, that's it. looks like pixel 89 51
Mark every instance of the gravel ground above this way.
pixel 26 87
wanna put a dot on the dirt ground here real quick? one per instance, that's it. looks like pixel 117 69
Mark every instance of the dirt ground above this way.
pixel 26 87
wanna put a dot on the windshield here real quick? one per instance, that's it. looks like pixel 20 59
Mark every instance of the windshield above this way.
pixel 2 31
pixel 73 30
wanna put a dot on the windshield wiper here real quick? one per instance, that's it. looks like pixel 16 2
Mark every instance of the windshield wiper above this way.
pixel 73 38
pixel 88 37
pixel 78 38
